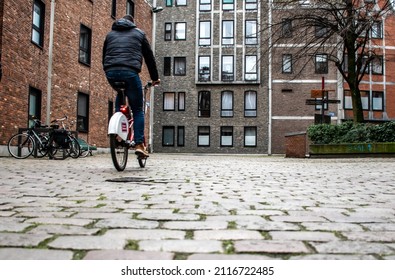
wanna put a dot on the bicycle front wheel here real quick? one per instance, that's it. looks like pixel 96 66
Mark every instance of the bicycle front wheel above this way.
pixel 119 152
pixel 21 145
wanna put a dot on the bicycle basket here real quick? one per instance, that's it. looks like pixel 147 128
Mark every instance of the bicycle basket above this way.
pixel 60 138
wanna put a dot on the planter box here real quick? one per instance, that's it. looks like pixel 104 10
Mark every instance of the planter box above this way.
pixel 353 149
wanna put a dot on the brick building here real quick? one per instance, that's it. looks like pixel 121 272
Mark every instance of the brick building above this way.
pixel 224 91
pixel 77 87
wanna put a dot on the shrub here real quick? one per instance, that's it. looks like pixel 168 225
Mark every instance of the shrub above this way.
pixel 348 132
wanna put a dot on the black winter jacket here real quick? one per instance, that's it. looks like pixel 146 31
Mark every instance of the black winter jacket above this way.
pixel 125 47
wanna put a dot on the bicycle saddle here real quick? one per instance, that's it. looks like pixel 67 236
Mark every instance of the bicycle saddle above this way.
pixel 119 86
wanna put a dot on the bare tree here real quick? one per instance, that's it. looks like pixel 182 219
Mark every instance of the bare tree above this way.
pixel 342 29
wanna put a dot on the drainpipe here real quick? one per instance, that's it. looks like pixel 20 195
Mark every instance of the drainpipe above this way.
pixel 50 51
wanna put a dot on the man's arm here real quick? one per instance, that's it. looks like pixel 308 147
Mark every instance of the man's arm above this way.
pixel 149 59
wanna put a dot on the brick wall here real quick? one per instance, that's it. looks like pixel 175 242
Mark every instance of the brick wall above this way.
pixel 25 64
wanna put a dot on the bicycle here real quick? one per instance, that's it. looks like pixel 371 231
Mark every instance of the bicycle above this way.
pixel 65 140
pixel 24 144
pixel 120 130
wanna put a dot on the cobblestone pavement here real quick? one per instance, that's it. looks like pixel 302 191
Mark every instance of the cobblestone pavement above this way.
pixel 184 206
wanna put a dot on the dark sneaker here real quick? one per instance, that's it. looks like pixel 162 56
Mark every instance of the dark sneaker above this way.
pixel 141 151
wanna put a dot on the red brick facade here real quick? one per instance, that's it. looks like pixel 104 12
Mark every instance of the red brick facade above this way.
pixel 25 64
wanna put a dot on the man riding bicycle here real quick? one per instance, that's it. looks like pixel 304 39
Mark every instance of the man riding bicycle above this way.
pixel 124 49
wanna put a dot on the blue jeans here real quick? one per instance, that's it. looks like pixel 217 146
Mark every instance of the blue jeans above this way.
pixel 134 93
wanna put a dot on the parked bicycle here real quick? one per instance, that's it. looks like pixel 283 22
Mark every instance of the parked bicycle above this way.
pixel 64 140
pixel 120 130
pixel 32 142
pixel 39 141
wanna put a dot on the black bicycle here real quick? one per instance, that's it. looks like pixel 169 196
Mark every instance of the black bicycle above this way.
pixel 31 142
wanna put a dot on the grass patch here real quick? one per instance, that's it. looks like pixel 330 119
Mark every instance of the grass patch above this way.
pixel 228 246
pixel 132 245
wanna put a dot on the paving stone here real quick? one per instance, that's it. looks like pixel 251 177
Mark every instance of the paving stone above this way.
pixel 228 257
pixel 182 246
pixel 127 255
pixel 13 226
pixel 226 235
pixel 22 240
pixel 63 230
pixel 86 243
pixel 270 246
pixel 140 234
pixel 34 254
pixel 329 226
pixel 371 236
pixel 352 247
pixel 333 257
pixel 126 223
pixel 195 225
pixel 169 217
pixel 61 221
pixel 303 235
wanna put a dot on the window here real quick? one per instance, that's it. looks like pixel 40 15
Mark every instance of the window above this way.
pixel 204 5
pixel 227 68
pixel 204 104
pixel 227 104
pixel 251 32
pixel 227 32
pixel 204 69
pixel 168 136
pixel 227 5
pixel 181 101
pixel 167 66
pixel 34 105
pixel 38 23
pixel 83 112
pixel 377 30
pixel 180 31
pixel 114 8
pixel 85 45
pixel 226 136
pixel 168 31
pixel 203 136
pixel 169 101
pixel 181 136
pixel 287 63
pixel 377 65
pixel 348 100
pixel 169 3
pixel 321 31
pixel 205 33
pixel 250 98
pixel 251 4
pixel 321 64
pixel 181 2
pixel 251 73
pixel 286 28
pixel 130 7
pixel 250 136
pixel 180 64
pixel 377 101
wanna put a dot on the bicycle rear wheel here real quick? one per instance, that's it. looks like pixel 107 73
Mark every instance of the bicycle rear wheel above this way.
pixel 119 152
pixel 21 145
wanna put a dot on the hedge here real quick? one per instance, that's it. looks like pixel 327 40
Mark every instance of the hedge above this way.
pixel 348 132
